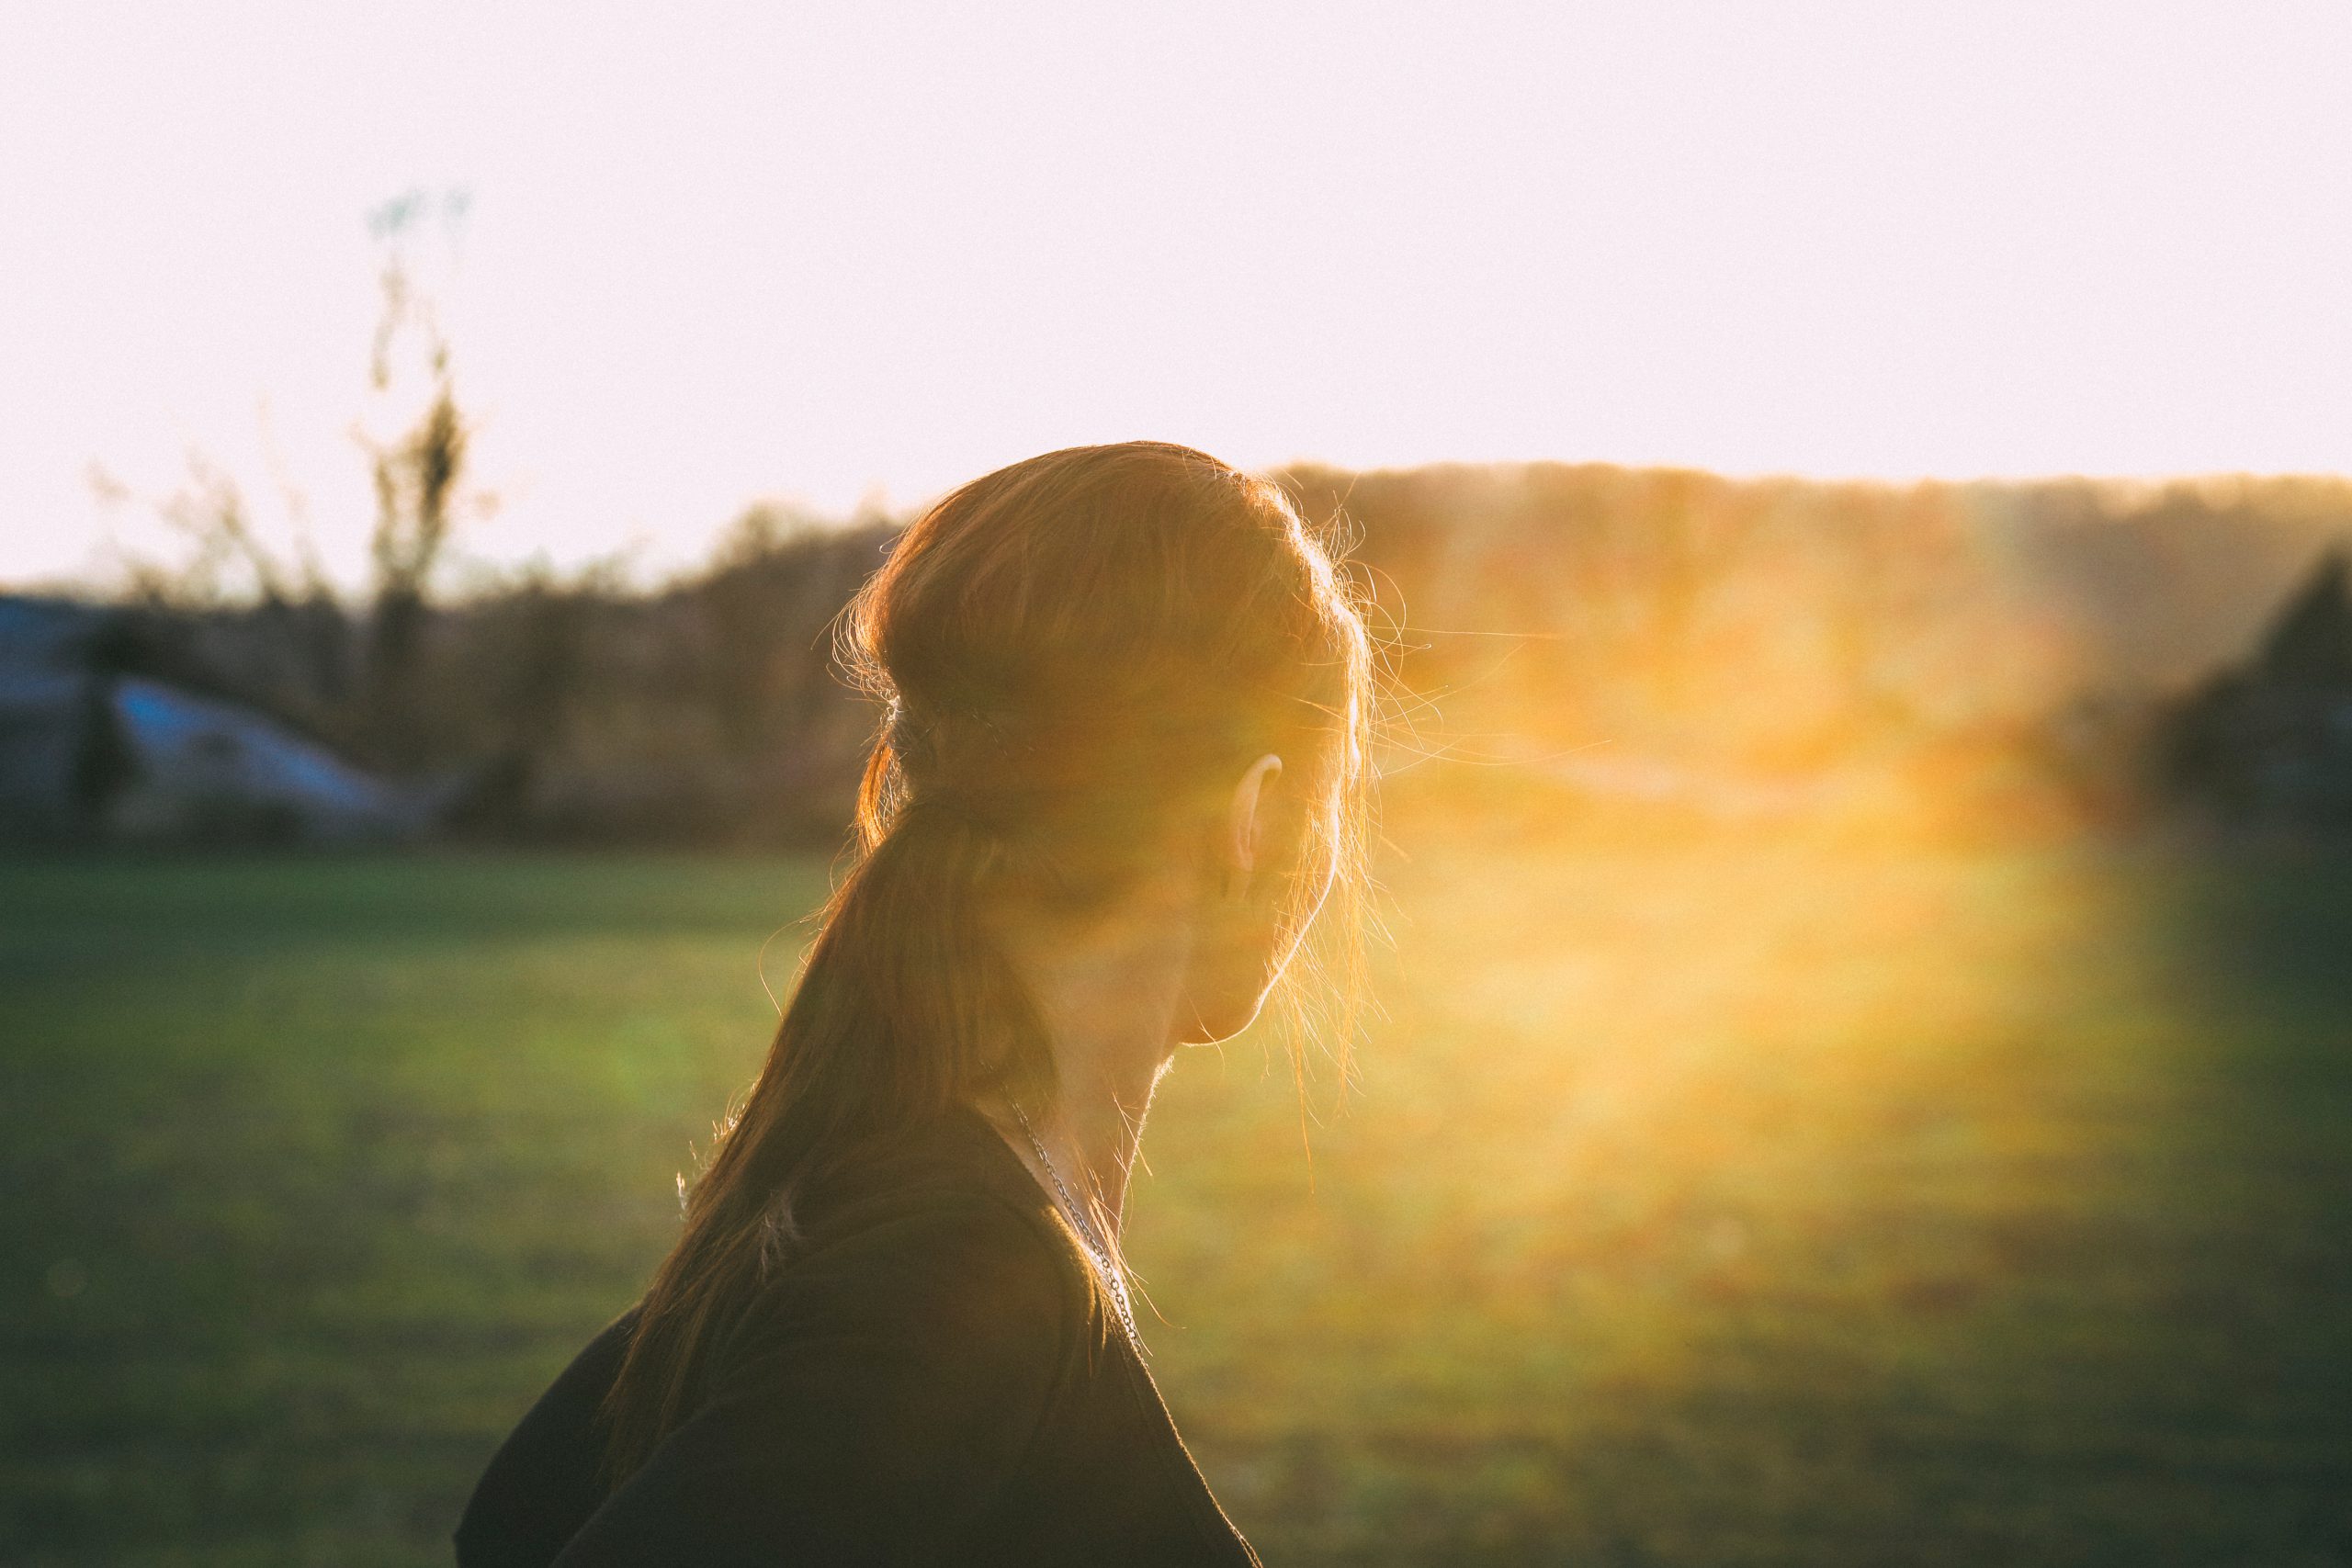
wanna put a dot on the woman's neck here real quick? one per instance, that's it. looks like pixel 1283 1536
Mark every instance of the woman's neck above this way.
pixel 1110 998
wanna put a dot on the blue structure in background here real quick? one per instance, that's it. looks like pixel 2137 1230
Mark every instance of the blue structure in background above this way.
pixel 88 753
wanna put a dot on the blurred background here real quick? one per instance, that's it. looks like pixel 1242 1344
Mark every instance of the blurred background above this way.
pixel 1856 501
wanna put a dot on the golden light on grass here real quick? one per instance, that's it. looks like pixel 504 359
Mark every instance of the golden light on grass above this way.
pixel 1770 1124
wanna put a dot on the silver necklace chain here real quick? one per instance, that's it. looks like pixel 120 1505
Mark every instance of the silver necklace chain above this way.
pixel 1104 1263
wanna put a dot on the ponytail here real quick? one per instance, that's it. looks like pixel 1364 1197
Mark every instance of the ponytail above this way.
pixel 904 1010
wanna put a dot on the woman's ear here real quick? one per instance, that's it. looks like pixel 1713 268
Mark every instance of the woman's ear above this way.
pixel 1244 821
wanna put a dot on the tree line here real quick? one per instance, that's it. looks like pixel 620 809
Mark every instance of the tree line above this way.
pixel 1544 624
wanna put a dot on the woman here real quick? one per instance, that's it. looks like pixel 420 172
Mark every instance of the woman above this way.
pixel 1123 770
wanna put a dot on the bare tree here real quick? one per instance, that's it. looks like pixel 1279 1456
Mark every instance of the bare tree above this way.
pixel 418 478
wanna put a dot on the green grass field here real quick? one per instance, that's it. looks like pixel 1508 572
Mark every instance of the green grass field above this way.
pixel 1691 1205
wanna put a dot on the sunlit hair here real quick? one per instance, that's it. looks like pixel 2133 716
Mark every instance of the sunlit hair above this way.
pixel 1075 655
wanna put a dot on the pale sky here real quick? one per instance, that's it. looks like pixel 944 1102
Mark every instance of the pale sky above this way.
pixel 719 252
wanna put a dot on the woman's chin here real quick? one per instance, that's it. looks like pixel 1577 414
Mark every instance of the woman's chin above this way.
pixel 1216 1028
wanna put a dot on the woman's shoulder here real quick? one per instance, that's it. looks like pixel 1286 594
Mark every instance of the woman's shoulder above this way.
pixel 953 1175
pixel 932 1237
pixel 939 1160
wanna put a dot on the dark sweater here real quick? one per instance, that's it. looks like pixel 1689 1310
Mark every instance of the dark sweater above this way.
pixel 936 1376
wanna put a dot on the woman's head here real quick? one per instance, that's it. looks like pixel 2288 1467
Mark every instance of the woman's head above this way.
pixel 1115 679
pixel 1091 661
